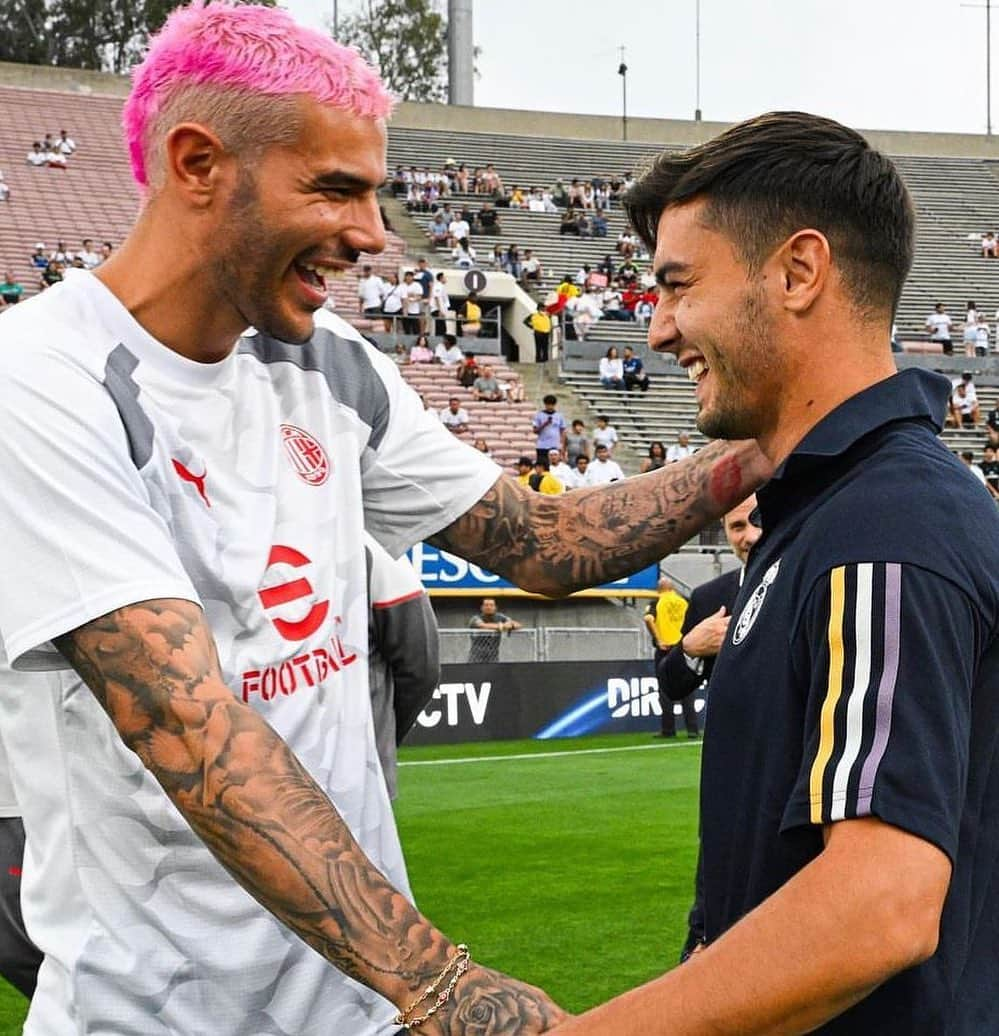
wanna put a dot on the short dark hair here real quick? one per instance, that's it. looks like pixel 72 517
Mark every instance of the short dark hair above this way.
pixel 768 177
pixel 549 399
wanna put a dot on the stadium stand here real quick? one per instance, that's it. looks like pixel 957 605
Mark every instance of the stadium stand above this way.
pixel 957 199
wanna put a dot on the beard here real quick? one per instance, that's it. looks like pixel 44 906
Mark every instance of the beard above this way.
pixel 745 359
pixel 244 267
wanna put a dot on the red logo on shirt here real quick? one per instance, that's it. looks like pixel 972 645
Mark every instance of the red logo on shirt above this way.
pixel 276 596
pixel 198 481
pixel 307 456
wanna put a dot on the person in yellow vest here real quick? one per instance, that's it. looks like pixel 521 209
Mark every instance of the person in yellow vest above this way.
pixel 541 324
pixel 664 621
pixel 541 480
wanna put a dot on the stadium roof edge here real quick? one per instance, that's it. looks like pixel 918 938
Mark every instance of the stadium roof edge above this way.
pixel 512 122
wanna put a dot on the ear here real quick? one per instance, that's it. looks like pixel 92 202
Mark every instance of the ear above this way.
pixel 197 163
pixel 804 265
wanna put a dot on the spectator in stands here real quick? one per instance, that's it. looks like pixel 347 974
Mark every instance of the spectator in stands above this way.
pixel 964 409
pixel 634 371
pixel 541 324
pixel 370 288
pixel 440 304
pixel 438 231
pixel 455 417
pixel 656 458
pixel 603 469
pixel 558 467
pixel 517 199
pixel 680 450
pixel 567 225
pixel 605 434
pixel 644 308
pixel 424 276
pixel 560 196
pixel 627 271
pixel 421 351
pixel 514 266
pixel 458 230
pixel 611 370
pixel 55 159
pixel 513 391
pixel 990 246
pixel 38 259
pixel 541 480
pixel 598 224
pixel 981 337
pixel 531 268
pixel 4 189
pixel 992 426
pixel 448 352
pixel 60 254
pixel 11 289
pixel 65 144
pixel 463 255
pixel 938 323
pixel 461 181
pixel 52 274
pixel 36 156
pixel 468 371
pixel 585 311
pixel 611 302
pixel 577 443
pixel 627 242
pixel 482 446
pixel 549 427
pixel 489 221
pixel 106 249
pixel 970 335
pixel 486 387
pixel 488 625
pixel 470 316
pixel 393 297
pixel 968 459
pixel 990 467
pixel 412 303
pixel 91 259
pixel 577 479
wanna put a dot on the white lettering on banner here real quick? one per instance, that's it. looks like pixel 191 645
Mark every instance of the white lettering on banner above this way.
pixel 451 694
pixel 438 567
pixel 638 696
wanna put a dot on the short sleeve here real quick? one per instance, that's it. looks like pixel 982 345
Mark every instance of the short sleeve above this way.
pixel 78 536
pixel 891 653
pixel 418 478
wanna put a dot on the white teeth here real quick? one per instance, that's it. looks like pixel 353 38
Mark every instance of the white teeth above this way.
pixel 696 370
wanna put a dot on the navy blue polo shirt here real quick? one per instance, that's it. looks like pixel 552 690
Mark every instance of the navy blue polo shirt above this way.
pixel 860 677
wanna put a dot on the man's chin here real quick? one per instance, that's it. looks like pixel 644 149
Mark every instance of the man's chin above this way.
pixel 294 332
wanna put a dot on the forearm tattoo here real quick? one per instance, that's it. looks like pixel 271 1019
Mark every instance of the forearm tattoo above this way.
pixel 154 669
pixel 558 544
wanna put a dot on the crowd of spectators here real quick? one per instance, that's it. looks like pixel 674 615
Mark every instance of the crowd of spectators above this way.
pixel 52 152
pixel 49 267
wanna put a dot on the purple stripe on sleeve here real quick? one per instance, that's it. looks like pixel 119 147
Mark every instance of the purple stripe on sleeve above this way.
pixel 886 688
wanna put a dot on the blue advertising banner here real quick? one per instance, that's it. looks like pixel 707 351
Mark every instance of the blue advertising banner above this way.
pixel 446 574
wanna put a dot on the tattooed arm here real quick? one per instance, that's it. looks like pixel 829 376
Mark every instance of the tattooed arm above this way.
pixel 555 545
pixel 154 669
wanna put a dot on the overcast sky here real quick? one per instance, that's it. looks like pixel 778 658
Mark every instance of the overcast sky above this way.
pixel 875 64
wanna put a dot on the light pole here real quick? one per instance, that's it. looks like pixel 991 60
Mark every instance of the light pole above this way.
pixel 988 62
pixel 697 61
pixel 622 71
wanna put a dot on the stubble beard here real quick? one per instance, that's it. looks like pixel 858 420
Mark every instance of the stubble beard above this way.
pixel 748 344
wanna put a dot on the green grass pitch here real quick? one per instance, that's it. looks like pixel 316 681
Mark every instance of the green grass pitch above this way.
pixel 571 870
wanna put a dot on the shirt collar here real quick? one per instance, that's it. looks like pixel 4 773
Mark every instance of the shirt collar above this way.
pixel 913 394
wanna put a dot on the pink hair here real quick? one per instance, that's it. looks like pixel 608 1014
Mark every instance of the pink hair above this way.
pixel 259 50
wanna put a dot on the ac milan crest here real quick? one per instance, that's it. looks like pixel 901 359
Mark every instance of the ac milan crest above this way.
pixel 306 454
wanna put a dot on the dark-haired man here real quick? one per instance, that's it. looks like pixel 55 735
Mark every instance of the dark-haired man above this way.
pixel 848 789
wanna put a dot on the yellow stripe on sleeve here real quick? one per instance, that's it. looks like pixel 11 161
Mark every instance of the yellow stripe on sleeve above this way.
pixel 837 593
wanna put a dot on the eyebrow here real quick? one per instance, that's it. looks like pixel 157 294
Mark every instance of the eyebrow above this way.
pixel 664 270
pixel 340 181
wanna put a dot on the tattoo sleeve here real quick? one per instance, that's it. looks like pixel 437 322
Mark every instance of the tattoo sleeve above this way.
pixel 555 545
pixel 154 669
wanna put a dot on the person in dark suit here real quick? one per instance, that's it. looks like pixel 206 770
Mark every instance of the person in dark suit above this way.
pixel 689 663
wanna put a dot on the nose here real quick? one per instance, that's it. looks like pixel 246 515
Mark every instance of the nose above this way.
pixel 662 334
pixel 365 228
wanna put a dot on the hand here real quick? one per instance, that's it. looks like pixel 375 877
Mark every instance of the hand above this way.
pixel 706 638
pixel 489 1003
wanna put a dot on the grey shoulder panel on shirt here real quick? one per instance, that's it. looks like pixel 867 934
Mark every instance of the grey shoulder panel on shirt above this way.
pixel 125 393
pixel 346 366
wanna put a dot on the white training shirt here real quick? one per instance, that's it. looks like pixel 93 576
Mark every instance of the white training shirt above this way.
pixel 132 473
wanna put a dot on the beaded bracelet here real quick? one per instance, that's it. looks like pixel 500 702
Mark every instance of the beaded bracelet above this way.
pixel 459 962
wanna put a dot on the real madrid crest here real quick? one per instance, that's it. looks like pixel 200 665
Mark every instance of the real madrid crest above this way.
pixel 752 609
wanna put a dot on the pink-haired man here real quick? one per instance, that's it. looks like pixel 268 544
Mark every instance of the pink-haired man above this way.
pixel 184 512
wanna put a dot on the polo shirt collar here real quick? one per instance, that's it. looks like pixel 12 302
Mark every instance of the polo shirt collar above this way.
pixel 912 394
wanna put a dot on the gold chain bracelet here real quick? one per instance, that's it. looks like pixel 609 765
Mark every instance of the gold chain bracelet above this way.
pixel 459 962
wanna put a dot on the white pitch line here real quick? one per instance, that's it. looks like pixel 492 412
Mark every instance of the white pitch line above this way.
pixel 545 755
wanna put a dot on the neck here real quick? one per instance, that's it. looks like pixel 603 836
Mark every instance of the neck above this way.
pixel 820 378
pixel 175 300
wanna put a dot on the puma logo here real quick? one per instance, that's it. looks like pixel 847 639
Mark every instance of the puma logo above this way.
pixel 198 481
